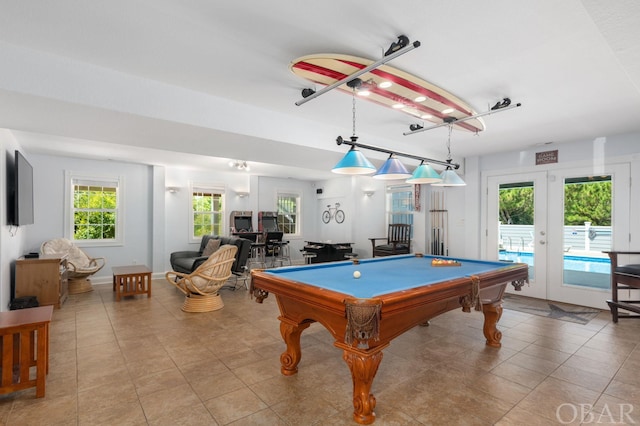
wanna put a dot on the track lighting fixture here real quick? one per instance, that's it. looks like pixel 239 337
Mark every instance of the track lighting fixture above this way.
pixel 240 165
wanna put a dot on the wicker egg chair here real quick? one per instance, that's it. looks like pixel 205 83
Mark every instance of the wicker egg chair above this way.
pixel 201 286
pixel 79 265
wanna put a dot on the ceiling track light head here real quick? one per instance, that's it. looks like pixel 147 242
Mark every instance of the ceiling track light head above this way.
pixel 402 42
pixel 307 92
pixel 501 104
pixel 355 83
pixel 449 119
pixel 414 127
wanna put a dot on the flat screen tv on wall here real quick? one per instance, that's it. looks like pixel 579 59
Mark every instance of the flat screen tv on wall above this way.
pixel 22 191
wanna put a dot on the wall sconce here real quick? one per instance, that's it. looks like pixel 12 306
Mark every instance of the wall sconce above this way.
pixel 173 189
pixel 242 194
pixel 369 192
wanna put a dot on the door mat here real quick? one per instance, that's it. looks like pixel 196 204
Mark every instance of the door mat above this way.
pixel 550 309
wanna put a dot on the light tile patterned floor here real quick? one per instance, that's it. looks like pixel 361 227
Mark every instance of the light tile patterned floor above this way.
pixel 144 361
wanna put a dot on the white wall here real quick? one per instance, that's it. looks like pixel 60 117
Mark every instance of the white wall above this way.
pixel 12 238
pixel 137 197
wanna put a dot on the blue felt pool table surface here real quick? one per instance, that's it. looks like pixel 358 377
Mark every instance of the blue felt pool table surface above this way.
pixel 383 275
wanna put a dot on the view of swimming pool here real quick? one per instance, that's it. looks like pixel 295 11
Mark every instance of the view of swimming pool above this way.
pixel 582 271
pixel 574 263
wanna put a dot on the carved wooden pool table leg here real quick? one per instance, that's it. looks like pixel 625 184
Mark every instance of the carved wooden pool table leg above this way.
pixel 492 313
pixel 363 366
pixel 290 358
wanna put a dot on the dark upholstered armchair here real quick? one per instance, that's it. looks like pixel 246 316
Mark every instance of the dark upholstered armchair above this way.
pixel 398 241
pixel 188 261
pixel 623 277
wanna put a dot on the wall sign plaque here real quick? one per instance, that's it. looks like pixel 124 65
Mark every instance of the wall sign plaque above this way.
pixel 546 157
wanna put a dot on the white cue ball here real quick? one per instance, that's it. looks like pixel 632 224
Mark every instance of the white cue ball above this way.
pixel 356 274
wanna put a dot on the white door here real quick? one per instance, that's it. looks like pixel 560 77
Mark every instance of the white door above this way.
pixel 523 240
pixel 564 240
pixel 581 227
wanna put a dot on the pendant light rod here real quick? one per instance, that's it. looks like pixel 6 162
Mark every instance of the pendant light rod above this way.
pixel 358 73
pixel 353 143
pixel 448 120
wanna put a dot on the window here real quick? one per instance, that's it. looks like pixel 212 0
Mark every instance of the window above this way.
pixel 288 213
pixel 400 204
pixel 207 211
pixel 94 214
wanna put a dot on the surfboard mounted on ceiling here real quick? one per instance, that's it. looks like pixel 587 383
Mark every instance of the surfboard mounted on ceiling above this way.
pixel 407 93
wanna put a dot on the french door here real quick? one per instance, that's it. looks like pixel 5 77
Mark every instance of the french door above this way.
pixel 588 214
pixel 577 215
pixel 520 242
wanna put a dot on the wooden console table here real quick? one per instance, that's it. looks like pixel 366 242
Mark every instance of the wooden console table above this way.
pixel 131 280
pixel 24 343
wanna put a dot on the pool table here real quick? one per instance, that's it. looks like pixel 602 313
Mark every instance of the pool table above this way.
pixel 392 295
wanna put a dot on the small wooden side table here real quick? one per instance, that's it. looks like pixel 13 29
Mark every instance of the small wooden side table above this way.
pixel 24 343
pixel 131 280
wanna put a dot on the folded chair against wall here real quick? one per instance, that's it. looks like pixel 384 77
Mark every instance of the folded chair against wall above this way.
pixel 79 265
pixel 202 285
pixel 398 241
pixel 627 278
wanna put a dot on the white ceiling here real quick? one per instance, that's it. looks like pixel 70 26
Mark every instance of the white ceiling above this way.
pixel 158 81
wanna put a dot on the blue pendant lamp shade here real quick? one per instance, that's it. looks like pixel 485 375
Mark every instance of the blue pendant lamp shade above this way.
pixel 424 173
pixel 392 169
pixel 450 178
pixel 354 163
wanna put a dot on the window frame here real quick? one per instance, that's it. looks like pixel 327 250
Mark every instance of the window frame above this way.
pixel 72 179
pixel 298 213
pixel 210 188
pixel 390 214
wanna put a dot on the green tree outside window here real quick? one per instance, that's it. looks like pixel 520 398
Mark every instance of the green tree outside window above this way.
pixel 94 212
pixel 288 207
pixel 207 207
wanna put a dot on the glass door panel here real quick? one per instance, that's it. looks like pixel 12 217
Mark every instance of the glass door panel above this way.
pixel 516 225
pixel 590 213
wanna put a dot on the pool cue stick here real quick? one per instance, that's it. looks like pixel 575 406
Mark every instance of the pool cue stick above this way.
pixel 444 226
pixel 435 223
pixel 439 219
pixel 442 218
pixel 440 223
pixel 440 232
pixel 447 225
